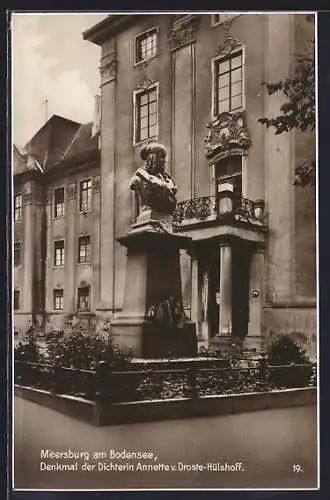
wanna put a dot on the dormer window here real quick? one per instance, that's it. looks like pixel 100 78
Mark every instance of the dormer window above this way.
pixel 146 45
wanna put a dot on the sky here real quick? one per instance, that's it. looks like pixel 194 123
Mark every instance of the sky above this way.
pixel 50 60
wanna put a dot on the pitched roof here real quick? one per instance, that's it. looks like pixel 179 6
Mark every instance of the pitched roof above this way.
pixel 49 145
pixel 58 140
pixel 23 162
pixel 82 142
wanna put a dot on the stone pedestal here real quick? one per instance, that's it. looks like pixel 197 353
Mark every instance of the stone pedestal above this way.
pixel 152 276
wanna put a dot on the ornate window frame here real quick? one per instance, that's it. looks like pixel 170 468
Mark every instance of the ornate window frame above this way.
pixel 54 202
pixel 85 179
pixel 239 47
pixel 57 240
pixel 61 296
pixel 136 42
pixel 18 195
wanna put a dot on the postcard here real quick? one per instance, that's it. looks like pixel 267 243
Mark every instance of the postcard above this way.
pixel 164 251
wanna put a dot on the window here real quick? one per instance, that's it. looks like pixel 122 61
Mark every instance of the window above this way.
pixel 146 114
pixel 18 207
pixel 59 253
pixel 84 249
pixel 85 198
pixel 58 295
pixel 84 298
pixel 146 45
pixel 228 72
pixel 17 253
pixel 230 170
pixel 16 300
pixel 220 18
pixel 59 202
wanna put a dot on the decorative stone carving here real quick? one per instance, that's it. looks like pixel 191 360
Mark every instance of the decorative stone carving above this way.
pixel 108 67
pixel 96 185
pixel 229 43
pixel 71 191
pixel 147 82
pixel 227 132
pixel 27 199
pixel 183 31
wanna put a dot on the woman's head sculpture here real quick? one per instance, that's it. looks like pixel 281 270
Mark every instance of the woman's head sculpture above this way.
pixel 154 154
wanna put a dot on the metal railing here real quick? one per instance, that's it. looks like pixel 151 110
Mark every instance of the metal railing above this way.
pixel 139 385
pixel 204 208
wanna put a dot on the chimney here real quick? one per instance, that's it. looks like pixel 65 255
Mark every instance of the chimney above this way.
pixel 97 115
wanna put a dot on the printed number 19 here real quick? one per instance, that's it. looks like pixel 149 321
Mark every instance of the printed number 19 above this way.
pixel 297 468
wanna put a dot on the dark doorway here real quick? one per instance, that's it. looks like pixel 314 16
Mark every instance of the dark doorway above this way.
pixel 240 289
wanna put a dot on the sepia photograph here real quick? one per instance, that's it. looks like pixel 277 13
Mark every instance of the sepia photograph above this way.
pixel 164 250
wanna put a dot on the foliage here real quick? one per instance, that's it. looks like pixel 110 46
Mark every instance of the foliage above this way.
pixel 284 350
pixel 298 110
pixel 85 352
pixel 28 349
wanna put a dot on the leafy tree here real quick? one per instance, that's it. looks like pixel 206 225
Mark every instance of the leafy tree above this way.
pixel 298 111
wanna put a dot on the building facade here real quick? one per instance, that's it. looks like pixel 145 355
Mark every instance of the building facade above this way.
pixel 194 83
pixel 56 226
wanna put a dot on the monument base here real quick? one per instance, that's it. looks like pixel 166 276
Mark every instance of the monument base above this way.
pixel 228 344
pixel 147 339
pixel 153 278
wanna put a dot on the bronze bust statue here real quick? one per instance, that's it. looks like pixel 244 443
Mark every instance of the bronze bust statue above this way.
pixel 156 189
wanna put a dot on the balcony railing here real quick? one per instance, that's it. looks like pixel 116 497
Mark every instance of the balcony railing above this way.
pixel 210 208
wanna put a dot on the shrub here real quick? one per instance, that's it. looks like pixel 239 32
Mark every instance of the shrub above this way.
pixel 284 351
pixel 28 349
pixel 85 352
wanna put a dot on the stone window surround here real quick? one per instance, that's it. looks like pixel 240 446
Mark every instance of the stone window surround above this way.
pixel 84 287
pixel 214 61
pixel 57 240
pixel 57 294
pixel 80 238
pixel 18 244
pixel 215 22
pixel 136 42
pixel 18 195
pixel 136 93
pixel 16 299
pixel 64 202
pixel 91 194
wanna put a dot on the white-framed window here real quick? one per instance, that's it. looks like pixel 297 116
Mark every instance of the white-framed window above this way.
pixel 59 253
pixel 84 298
pixel 16 300
pixel 146 114
pixel 18 207
pixel 84 249
pixel 17 253
pixel 221 18
pixel 85 195
pixel 228 83
pixel 59 202
pixel 58 297
pixel 146 45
